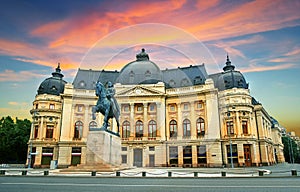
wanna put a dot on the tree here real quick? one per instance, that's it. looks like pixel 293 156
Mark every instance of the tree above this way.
pixel 13 140
pixel 290 150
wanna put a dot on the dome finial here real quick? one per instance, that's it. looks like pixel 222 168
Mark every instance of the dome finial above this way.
pixel 142 56
pixel 57 72
pixel 228 66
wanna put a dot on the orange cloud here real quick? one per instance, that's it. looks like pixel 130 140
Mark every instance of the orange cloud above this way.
pixel 36 54
pixel 252 17
pixel 253 68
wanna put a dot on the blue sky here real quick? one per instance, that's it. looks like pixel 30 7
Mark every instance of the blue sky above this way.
pixel 261 38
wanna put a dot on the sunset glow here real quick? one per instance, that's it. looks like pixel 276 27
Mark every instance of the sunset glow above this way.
pixel 261 37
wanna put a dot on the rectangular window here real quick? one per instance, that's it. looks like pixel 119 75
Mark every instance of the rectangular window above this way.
pixel 76 155
pixel 47 155
pixel 172 107
pixel 185 106
pixel 80 108
pixel 124 159
pixel 245 127
pixel 49 131
pixel 234 153
pixel 139 108
pixel 124 148
pixel 199 105
pixel 152 107
pixel 201 154
pixel 187 155
pixel 151 148
pixel 51 106
pixel 230 128
pixel 173 155
pixel 126 108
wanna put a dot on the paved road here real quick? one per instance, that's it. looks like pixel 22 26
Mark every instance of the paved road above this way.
pixel 83 184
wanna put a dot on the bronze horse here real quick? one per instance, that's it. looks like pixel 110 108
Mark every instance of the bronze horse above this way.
pixel 105 106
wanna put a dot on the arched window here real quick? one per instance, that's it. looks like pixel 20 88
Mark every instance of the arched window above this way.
pixel 186 128
pixel 78 130
pixel 139 129
pixel 184 82
pixel 172 83
pixel 92 125
pixel 152 128
pixel 125 129
pixel 200 127
pixel 173 128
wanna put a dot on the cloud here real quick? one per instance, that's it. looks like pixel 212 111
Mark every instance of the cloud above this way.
pixel 21 76
pixel 37 54
pixel 248 18
pixel 21 113
pixel 259 68
pixel 294 52
pixel 13 103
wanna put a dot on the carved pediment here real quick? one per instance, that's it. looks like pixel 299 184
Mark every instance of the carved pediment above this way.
pixel 139 91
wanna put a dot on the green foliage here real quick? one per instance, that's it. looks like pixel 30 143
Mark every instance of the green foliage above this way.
pixel 290 150
pixel 14 136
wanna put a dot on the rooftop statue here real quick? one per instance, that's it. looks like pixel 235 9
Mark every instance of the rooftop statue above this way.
pixel 107 105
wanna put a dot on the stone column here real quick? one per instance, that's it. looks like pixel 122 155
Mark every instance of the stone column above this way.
pixel 180 155
pixel 145 128
pixel 43 131
pixel 193 121
pixel 238 124
pixel 194 156
pixel 86 122
pixel 179 122
pixel 132 125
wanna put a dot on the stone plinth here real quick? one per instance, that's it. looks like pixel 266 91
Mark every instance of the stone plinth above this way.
pixel 103 148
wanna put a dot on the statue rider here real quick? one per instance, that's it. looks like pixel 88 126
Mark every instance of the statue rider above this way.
pixel 110 93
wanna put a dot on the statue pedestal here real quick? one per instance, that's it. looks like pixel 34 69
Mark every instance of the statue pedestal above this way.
pixel 103 148
pixel 103 152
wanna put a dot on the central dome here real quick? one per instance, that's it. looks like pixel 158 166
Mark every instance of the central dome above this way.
pixel 141 71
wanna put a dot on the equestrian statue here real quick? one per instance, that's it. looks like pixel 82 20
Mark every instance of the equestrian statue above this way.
pixel 106 104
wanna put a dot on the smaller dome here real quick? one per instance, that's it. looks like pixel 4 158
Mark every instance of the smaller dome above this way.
pixel 141 71
pixel 54 85
pixel 230 78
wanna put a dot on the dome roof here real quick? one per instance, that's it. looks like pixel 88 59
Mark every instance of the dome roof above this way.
pixel 141 71
pixel 230 78
pixel 54 85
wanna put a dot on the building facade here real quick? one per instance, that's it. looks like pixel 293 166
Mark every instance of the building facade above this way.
pixel 174 117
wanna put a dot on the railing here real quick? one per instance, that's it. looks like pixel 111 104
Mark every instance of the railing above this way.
pixel 153 173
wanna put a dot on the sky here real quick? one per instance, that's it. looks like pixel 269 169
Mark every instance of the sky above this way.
pixel 261 38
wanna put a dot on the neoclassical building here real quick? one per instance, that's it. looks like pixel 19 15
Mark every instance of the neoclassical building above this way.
pixel 173 117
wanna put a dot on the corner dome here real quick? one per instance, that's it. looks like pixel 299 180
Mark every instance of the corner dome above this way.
pixel 230 78
pixel 54 85
pixel 141 71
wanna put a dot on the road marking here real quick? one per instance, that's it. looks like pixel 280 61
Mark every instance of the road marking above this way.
pixel 145 185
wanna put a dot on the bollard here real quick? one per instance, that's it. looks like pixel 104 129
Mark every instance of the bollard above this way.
pixel 118 173
pixel 24 172
pixel 93 173
pixel 2 172
pixel 223 173
pixel 169 174
pixel 195 174
pixel 144 174
pixel 294 172
pixel 46 172
pixel 261 173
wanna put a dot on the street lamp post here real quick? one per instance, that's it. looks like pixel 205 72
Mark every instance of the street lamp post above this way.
pixel 230 141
